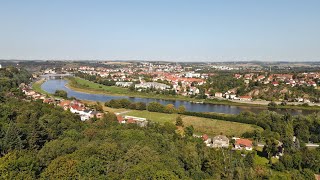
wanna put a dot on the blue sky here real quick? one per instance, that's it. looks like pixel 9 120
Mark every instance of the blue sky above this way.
pixel 176 30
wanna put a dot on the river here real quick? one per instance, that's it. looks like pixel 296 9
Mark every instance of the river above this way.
pixel 58 84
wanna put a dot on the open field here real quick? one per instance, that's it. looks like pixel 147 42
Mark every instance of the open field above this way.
pixel 201 125
pixel 88 86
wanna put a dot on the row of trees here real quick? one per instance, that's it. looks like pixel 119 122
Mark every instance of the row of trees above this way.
pixel 125 103
pixel 153 106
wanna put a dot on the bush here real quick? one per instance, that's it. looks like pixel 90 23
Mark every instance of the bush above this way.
pixel 61 93
pixel 141 106
pixel 155 107
pixel 272 104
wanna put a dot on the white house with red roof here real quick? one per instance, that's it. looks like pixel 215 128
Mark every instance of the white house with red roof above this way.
pixel 245 144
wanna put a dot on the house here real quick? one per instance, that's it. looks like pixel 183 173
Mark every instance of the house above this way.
pixel 142 122
pixel 194 90
pixel 245 144
pixel 131 121
pixel 87 114
pixel 65 104
pixel 48 100
pixel 275 83
pixel 248 76
pixel 218 94
pixel 232 96
pixel 155 85
pixel 120 119
pixel 260 78
pixel 238 76
pixel 220 141
pixel 206 140
pixel 312 83
pixel 76 108
pixel 245 98
pixel 124 84
pixel 96 114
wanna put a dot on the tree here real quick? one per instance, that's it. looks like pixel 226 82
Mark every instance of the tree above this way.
pixel 308 174
pixel 132 87
pixel 19 165
pixel 270 148
pixel 169 108
pixel 12 139
pixel 181 109
pixel 110 117
pixel 302 132
pixel 114 104
pixel 189 130
pixel 98 106
pixel 125 103
pixel 272 104
pixel 64 167
pixel 141 106
pixel 249 160
pixel 38 135
pixel 155 107
pixel 61 93
pixel 179 121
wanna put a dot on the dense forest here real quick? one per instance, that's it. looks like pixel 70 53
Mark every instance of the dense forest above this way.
pixel 40 141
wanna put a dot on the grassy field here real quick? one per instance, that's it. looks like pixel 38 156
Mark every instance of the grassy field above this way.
pixel 36 86
pixel 88 86
pixel 201 125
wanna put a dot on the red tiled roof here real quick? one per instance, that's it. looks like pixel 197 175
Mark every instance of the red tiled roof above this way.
pixel 120 119
pixel 245 97
pixel 244 142
pixel 205 137
pixel 64 103
pixel 130 120
pixel 77 107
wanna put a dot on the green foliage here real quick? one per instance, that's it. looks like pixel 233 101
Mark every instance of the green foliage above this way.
pixel 223 83
pixel 155 107
pixel 11 78
pixel 19 165
pixel 12 140
pixel 61 93
pixel 272 104
pixel 125 103
pixel 189 130
pixel 181 109
pixel 179 121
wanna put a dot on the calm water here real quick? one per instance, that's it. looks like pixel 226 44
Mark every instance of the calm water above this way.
pixel 57 84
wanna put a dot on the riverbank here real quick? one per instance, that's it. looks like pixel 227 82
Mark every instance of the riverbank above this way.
pixel 36 86
pixel 85 86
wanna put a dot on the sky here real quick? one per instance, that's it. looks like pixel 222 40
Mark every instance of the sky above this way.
pixel 170 30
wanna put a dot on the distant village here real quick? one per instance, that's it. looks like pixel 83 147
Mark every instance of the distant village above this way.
pixel 186 82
